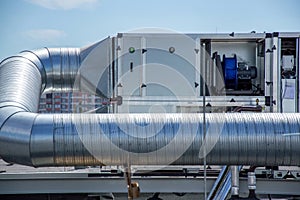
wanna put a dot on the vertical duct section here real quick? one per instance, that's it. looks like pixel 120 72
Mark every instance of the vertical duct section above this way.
pixel 20 84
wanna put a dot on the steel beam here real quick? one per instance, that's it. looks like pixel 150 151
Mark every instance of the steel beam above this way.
pixel 39 183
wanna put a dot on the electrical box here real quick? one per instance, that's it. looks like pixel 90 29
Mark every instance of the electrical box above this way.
pixel 288 62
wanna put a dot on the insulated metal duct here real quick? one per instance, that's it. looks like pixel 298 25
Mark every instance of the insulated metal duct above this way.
pixel 38 140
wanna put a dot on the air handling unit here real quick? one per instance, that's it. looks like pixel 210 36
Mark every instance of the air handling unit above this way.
pixel 170 99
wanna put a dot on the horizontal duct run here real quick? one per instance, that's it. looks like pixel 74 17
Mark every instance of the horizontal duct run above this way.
pixel 28 138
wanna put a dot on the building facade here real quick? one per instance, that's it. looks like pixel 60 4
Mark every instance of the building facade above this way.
pixel 73 102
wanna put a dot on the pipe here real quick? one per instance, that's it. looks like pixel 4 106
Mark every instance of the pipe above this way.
pixel 256 108
pixel 222 185
pixel 38 140
pixel 235 180
pixel 91 139
pixel 251 181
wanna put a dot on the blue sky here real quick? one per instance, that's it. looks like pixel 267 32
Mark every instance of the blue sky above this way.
pixel 31 24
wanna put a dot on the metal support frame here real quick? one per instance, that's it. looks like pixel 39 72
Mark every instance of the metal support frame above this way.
pixel 268 74
pixel 298 73
pixel 50 183
pixel 276 74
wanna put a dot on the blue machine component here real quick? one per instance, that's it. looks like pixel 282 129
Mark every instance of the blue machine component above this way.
pixel 230 69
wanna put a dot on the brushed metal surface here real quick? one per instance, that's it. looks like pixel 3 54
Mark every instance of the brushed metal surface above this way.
pixel 114 139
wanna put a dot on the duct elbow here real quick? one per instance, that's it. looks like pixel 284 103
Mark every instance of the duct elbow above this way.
pixel 15 138
pixel 58 67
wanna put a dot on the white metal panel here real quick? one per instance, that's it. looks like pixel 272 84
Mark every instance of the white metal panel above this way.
pixel 130 68
pixel 171 73
pixel 289 95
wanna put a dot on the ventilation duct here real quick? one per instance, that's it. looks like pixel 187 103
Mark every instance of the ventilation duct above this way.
pixel 33 139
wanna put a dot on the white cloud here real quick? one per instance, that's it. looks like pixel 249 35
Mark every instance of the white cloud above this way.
pixel 64 4
pixel 45 34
